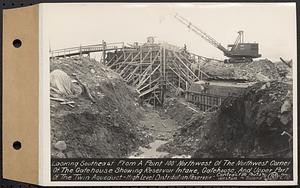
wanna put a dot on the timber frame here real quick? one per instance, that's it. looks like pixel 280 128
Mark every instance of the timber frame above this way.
pixel 152 68
pixel 155 68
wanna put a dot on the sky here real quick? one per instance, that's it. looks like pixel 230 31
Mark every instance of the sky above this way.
pixel 272 25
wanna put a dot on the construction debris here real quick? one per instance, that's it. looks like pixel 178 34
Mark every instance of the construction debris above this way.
pixel 63 101
pixel 61 83
pixel 86 90
pixel 289 63
pixel 67 102
pixel 259 70
pixel 57 99
pixel 160 98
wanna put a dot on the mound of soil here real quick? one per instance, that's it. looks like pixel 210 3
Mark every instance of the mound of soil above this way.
pixel 188 137
pixel 255 124
pixel 105 127
pixel 183 113
pixel 179 110
pixel 242 71
pixel 249 71
pixel 218 69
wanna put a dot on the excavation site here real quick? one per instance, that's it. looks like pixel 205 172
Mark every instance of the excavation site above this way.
pixel 158 100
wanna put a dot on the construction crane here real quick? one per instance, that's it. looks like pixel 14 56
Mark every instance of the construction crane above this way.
pixel 239 52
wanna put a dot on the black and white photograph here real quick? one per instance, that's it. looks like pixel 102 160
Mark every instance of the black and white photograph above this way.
pixel 172 81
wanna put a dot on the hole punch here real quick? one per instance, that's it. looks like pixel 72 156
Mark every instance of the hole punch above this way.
pixel 17 145
pixel 17 43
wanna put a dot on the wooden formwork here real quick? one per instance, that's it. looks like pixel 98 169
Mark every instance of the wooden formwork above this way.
pixel 204 101
pixel 154 68
pixel 151 68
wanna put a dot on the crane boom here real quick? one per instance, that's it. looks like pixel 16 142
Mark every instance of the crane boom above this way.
pixel 201 34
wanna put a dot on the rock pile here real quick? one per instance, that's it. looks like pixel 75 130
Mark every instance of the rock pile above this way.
pixel 259 70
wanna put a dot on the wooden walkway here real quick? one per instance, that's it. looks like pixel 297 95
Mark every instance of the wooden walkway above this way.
pixel 82 50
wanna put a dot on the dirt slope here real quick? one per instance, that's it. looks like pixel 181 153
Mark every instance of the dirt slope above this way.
pixel 104 128
pixel 251 125
pixel 244 71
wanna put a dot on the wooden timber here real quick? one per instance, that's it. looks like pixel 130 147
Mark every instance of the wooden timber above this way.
pixel 152 68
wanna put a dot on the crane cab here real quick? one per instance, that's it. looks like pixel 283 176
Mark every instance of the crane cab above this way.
pixel 241 52
pixel 244 49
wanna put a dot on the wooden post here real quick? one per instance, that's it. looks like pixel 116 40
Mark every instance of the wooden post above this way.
pixel 164 63
pixel 80 51
pixel 186 86
pixel 141 66
pixel 162 74
pixel 199 71
pixel 150 79
pixel 104 52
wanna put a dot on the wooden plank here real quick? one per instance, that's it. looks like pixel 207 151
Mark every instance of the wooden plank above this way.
pixel 143 59
pixel 124 70
pixel 149 90
pixel 182 74
pixel 157 98
pixel 198 69
pixel 120 64
pixel 129 76
pixel 144 79
pixel 146 71
pixel 168 82
pixel 149 84
pixel 180 77
pixel 117 60
pixel 190 71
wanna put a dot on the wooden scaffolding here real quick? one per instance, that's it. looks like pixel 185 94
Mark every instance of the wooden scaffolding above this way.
pixel 154 68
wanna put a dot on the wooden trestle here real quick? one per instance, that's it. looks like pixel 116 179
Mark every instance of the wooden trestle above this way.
pixel 154 68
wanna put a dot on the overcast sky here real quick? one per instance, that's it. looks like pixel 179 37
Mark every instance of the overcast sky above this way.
pixel 273 26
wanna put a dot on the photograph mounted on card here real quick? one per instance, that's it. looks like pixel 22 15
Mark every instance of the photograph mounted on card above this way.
pixel 158 94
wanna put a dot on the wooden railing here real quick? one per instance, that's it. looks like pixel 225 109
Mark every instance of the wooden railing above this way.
pixel 67 52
